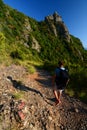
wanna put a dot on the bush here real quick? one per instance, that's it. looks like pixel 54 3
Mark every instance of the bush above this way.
pixel 17 54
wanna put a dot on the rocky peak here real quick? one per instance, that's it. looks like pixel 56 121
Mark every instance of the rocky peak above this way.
pixel 55 17
pixel 57 26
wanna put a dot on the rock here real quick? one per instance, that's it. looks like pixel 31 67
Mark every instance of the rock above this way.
pixel 34 109
pixel 57 26
pixel 76 110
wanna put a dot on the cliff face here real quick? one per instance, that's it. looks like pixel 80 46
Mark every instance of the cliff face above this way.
pixel 57 26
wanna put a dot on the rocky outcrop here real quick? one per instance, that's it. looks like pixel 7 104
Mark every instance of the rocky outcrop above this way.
pixel 26 34
pixel 57 26
pixel 35 44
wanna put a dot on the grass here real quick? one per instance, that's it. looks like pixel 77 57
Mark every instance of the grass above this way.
pixel 70 92
pixel 31 61
pixel 19 95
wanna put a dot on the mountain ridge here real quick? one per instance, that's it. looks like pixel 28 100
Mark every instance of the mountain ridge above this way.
pixel 27 100
pixel 42 38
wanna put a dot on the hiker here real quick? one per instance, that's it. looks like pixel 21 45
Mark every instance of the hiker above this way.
pixel 59 81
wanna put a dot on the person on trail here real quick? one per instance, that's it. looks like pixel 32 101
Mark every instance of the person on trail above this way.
pixel 59 81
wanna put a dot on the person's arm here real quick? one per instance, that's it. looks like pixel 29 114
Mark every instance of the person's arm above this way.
pixel 53 80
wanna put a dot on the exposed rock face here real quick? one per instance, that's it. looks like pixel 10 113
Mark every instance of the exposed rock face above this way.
pixel 35 44
pixel 57 26
pixel 26 31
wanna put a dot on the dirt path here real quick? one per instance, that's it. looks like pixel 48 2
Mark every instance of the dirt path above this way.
pixel 35 91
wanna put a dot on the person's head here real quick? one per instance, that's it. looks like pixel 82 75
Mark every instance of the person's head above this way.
pixel 60 63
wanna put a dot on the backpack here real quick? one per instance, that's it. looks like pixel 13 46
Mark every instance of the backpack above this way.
pixel 62 78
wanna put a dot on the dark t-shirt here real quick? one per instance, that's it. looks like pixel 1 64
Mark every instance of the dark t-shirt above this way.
pixel 61 84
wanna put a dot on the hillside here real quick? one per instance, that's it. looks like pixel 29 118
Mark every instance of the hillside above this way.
pixel 46 41
pixel 27 103
pixel 27 42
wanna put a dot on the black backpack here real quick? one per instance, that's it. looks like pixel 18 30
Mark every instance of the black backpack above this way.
pixel 62 78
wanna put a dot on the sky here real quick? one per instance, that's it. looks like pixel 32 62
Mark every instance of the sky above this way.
pixel 73 13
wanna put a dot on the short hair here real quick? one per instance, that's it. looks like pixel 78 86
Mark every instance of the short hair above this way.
pixel 60 63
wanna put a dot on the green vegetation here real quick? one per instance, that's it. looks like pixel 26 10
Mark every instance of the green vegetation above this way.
pixel 78 81
pixel 19 95
pixel 18 35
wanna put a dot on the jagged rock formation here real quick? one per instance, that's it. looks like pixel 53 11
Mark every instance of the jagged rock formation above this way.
pixel 50 37
pixel 26 34
pixel 57 26
pixel 35 44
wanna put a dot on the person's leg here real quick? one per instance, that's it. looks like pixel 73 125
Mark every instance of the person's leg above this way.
pixel 59 95
pixel 56 94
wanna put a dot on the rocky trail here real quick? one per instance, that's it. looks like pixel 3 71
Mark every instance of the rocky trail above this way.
pixel 27 103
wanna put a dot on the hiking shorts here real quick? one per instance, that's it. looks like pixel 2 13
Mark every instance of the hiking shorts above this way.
pixel 59 87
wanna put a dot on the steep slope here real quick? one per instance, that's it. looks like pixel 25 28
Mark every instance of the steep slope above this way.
pixel 48 40
pixel 27 103
pixel 25 41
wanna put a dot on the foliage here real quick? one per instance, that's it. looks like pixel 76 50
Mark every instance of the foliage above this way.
pixel 78 76
pixel 3 53
pixel 16 39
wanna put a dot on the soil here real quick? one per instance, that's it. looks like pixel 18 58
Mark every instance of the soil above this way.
pixel 27 102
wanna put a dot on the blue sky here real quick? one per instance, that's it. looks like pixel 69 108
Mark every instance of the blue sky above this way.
pixel 73 13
